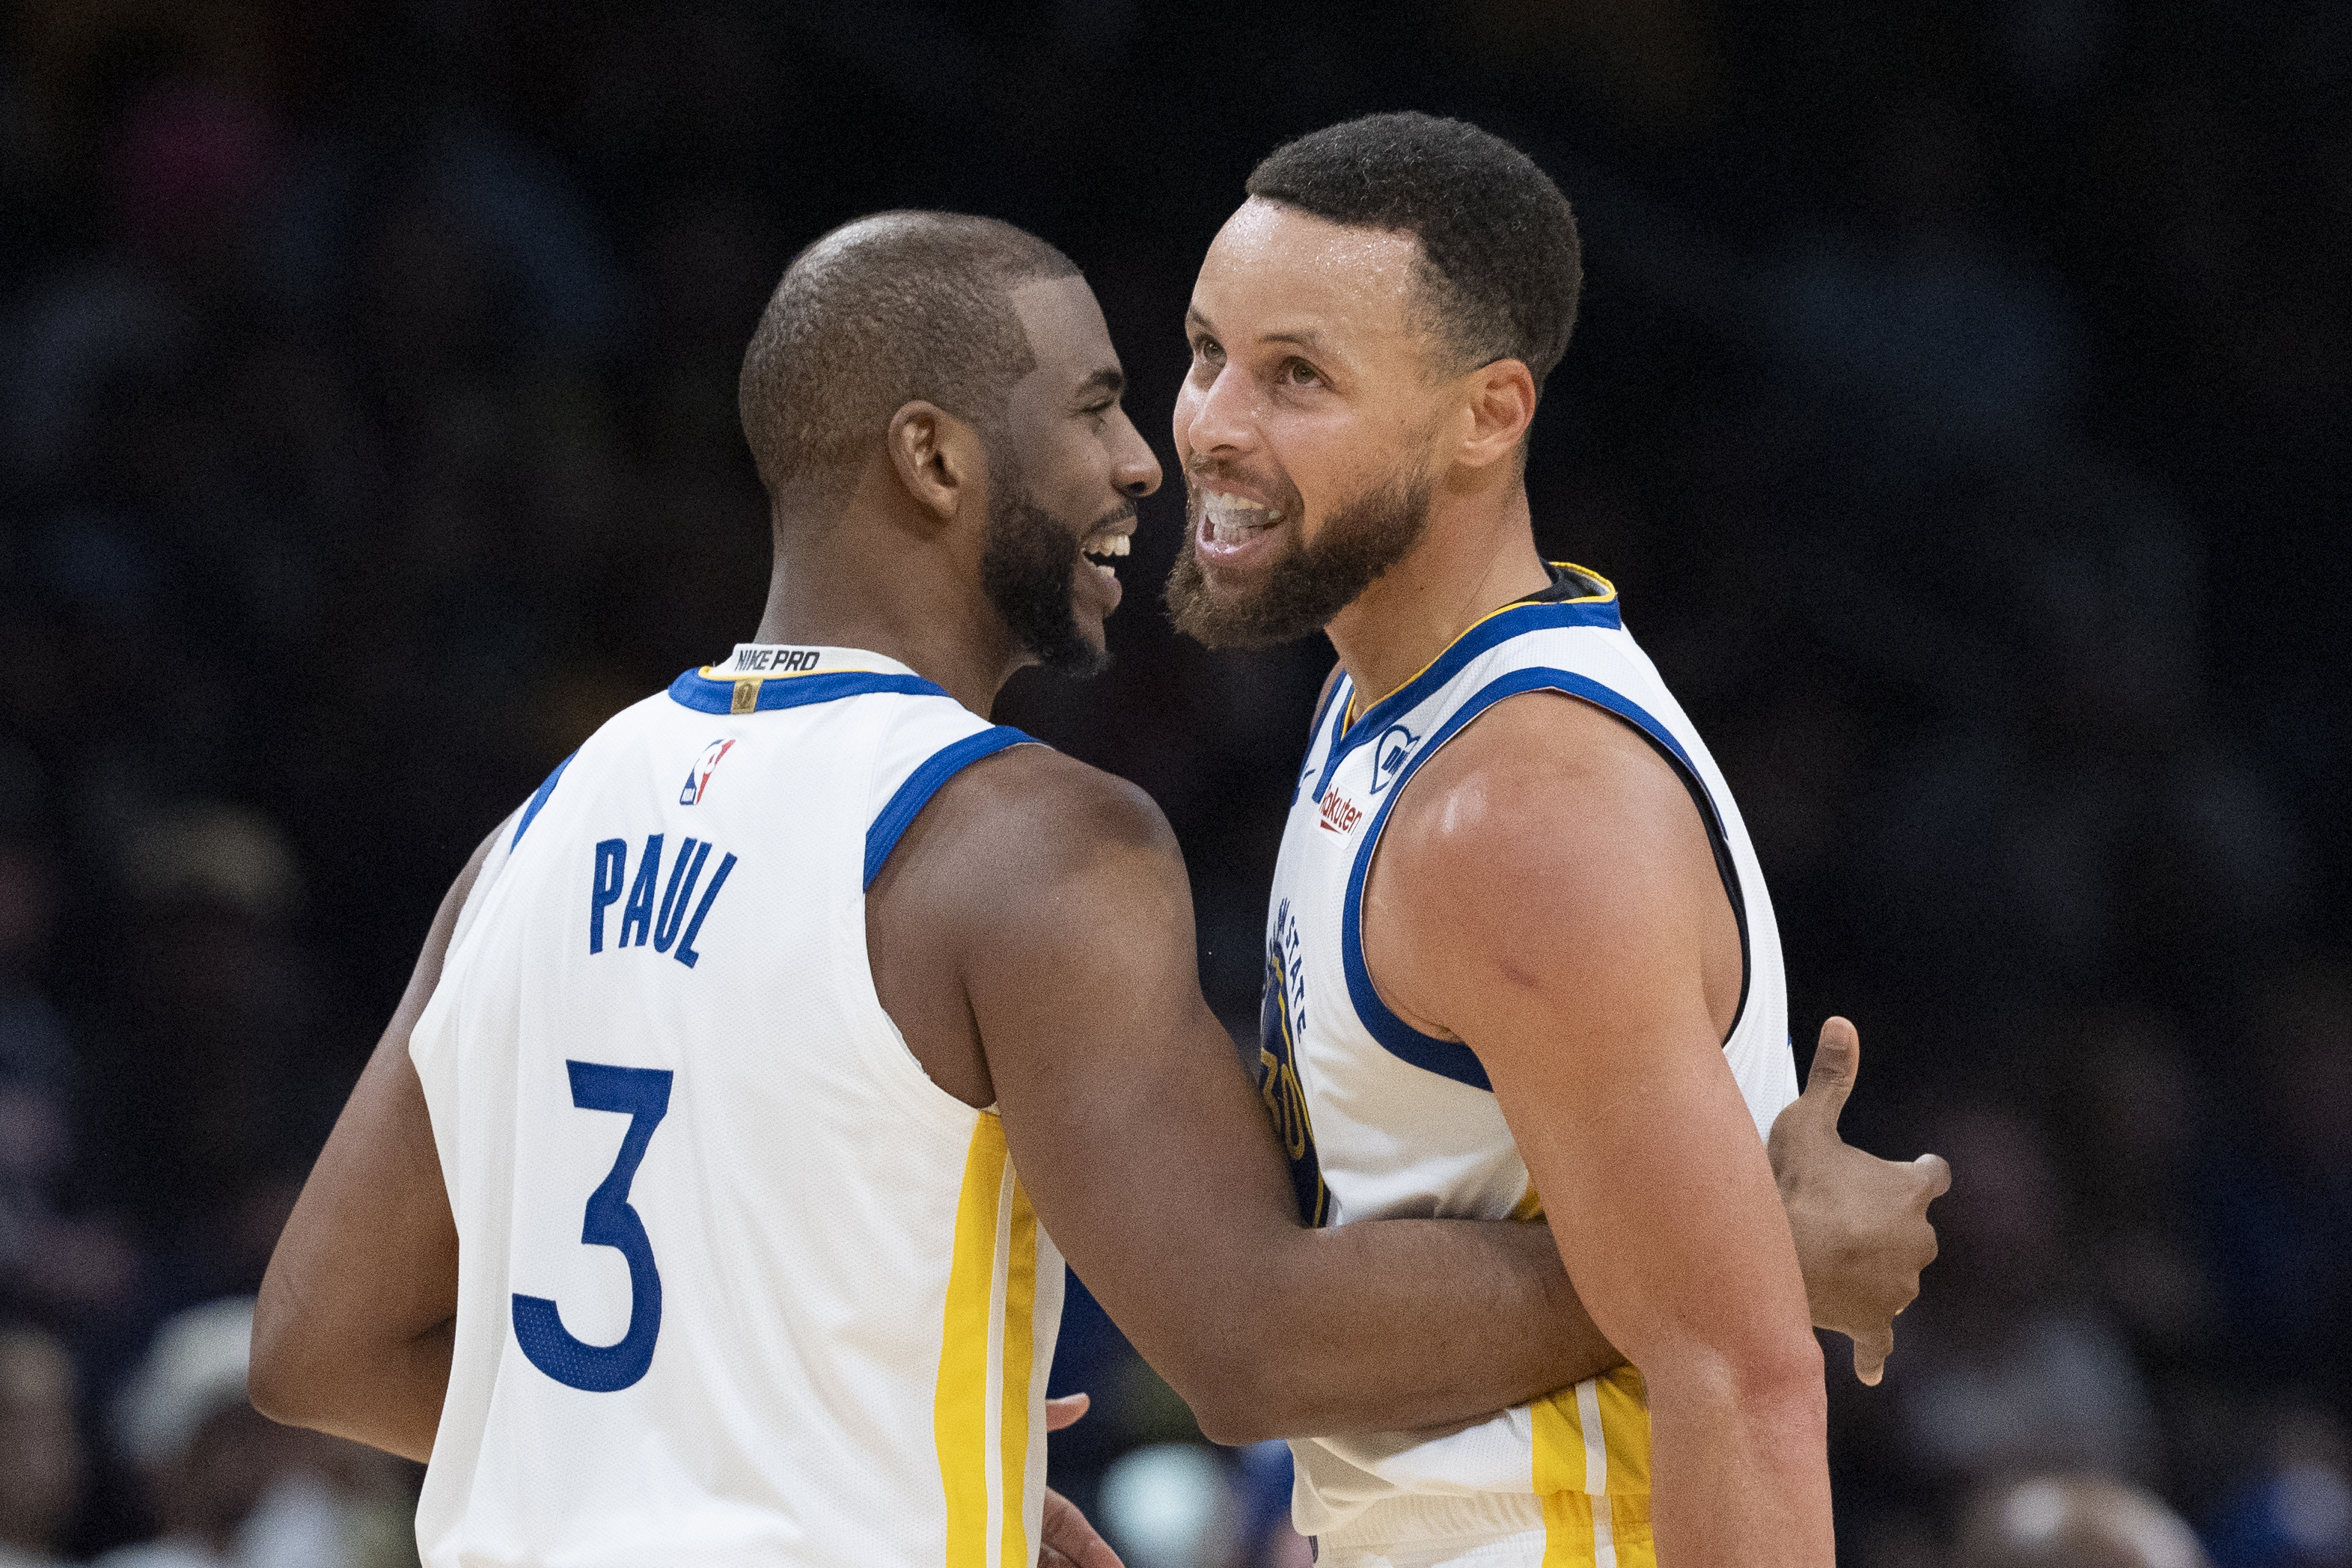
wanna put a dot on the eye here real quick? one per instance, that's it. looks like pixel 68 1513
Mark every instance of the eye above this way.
pixel 1299 373
pixel 1207 350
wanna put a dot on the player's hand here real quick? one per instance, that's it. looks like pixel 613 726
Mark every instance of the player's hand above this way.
pixel 1069 1541
pixel 1064 1411
pixel 1861 1222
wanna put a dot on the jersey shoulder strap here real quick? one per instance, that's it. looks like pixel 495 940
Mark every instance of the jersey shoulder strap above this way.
pixel 914 765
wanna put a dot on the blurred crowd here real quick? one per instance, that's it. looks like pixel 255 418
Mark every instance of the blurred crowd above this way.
pixel 1959 403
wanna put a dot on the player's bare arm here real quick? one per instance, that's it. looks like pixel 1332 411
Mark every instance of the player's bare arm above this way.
pixel 1546 893
pixel 353 1331
pixel 1859 1222
pixel 1033 937
pixel 354 1328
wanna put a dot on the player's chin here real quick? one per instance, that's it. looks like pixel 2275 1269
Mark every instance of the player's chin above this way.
pixel 1085 650
pixel 1230 583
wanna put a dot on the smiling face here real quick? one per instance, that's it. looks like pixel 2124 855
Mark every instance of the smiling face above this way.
pixel 1307 427
pixel 1065 470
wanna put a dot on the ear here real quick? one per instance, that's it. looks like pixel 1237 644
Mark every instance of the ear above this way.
pixel 1500 403
pixel 937 457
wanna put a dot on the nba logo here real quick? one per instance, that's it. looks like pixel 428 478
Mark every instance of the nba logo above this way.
pixel 697 778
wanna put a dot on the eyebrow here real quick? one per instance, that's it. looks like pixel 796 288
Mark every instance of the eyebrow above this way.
pixel 1305 338
pixel 1109 378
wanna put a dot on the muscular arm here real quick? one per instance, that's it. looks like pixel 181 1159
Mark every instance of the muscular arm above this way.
pixel 1034 940
pixel 1861 1222
pixel 354 1330
pixel 1546 893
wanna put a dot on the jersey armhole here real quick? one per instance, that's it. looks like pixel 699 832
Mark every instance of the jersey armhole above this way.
pixel 1662 741
pixel 923 783
pixel 1454 1059
pixel 1725 866
pixel 538 799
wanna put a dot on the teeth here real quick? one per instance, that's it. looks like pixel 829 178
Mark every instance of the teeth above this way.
pixel 1233 518
pixel 1117 544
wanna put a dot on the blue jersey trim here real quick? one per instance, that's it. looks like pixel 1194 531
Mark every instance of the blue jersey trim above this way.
pixel 538 799
pixel 1330 703
pixel 1505 623
pixel 1451 1058
pixel 924 782
pixel 699 692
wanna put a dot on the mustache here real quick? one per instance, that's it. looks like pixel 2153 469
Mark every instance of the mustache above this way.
pixel 1210 468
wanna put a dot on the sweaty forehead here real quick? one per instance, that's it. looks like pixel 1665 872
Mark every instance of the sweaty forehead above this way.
pixel 1284 268
pixel 1067 335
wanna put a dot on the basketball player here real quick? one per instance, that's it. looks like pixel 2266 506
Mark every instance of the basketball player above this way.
pixel 675 1220
pixel 1521 959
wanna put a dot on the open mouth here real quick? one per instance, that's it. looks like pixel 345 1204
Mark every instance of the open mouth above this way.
pixel 1098 550
pixel 1232 519
pixel 1233 531
pixel 1108 547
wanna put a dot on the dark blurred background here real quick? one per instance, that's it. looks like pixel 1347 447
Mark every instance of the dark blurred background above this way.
pixel 1961 403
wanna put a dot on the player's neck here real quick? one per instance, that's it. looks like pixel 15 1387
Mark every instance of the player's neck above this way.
pixel 950 639
pixel 1477 554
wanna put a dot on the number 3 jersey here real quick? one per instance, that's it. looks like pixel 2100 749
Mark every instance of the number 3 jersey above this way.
pixel 1384 1121
pixel 738 1284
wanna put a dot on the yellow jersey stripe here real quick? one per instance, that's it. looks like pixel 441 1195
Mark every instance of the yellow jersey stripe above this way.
pixel 1592 1470
pixel 1560 1480
pixel 960 1404
pixel 1596 1472
pixel 1568 1531
pixel 1020 1356
pixel 1630 1515
pixel 1625 1422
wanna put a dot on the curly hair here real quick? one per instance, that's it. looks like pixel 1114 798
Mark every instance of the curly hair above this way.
pixel 1501 264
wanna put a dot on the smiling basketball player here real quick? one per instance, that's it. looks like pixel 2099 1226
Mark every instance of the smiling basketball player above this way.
pixel 705 1200
pixel 1521 959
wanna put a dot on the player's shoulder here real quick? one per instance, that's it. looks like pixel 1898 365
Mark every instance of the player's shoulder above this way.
pixel 1051 809
pixel 1540 781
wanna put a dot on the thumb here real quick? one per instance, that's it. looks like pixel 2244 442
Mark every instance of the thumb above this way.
pixel 1870 1353
pixel 1836 1061
pixel 1064 1411
pixel 1938 1171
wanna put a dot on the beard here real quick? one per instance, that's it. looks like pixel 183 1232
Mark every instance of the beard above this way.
pixel 1028 569
pixel 1312 581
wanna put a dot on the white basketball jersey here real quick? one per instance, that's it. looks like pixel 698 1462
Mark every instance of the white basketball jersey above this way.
pixel 1384 1122
pixel 738 1284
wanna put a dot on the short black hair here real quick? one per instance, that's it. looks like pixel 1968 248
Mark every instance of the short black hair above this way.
pixel 1502 264
pixel 874 315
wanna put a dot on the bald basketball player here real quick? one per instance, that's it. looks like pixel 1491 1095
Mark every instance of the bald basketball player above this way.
pixel 932 1023
pixel 1521 957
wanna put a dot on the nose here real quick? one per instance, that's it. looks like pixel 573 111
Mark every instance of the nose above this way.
pixel 1216 418
pixel 1135 470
